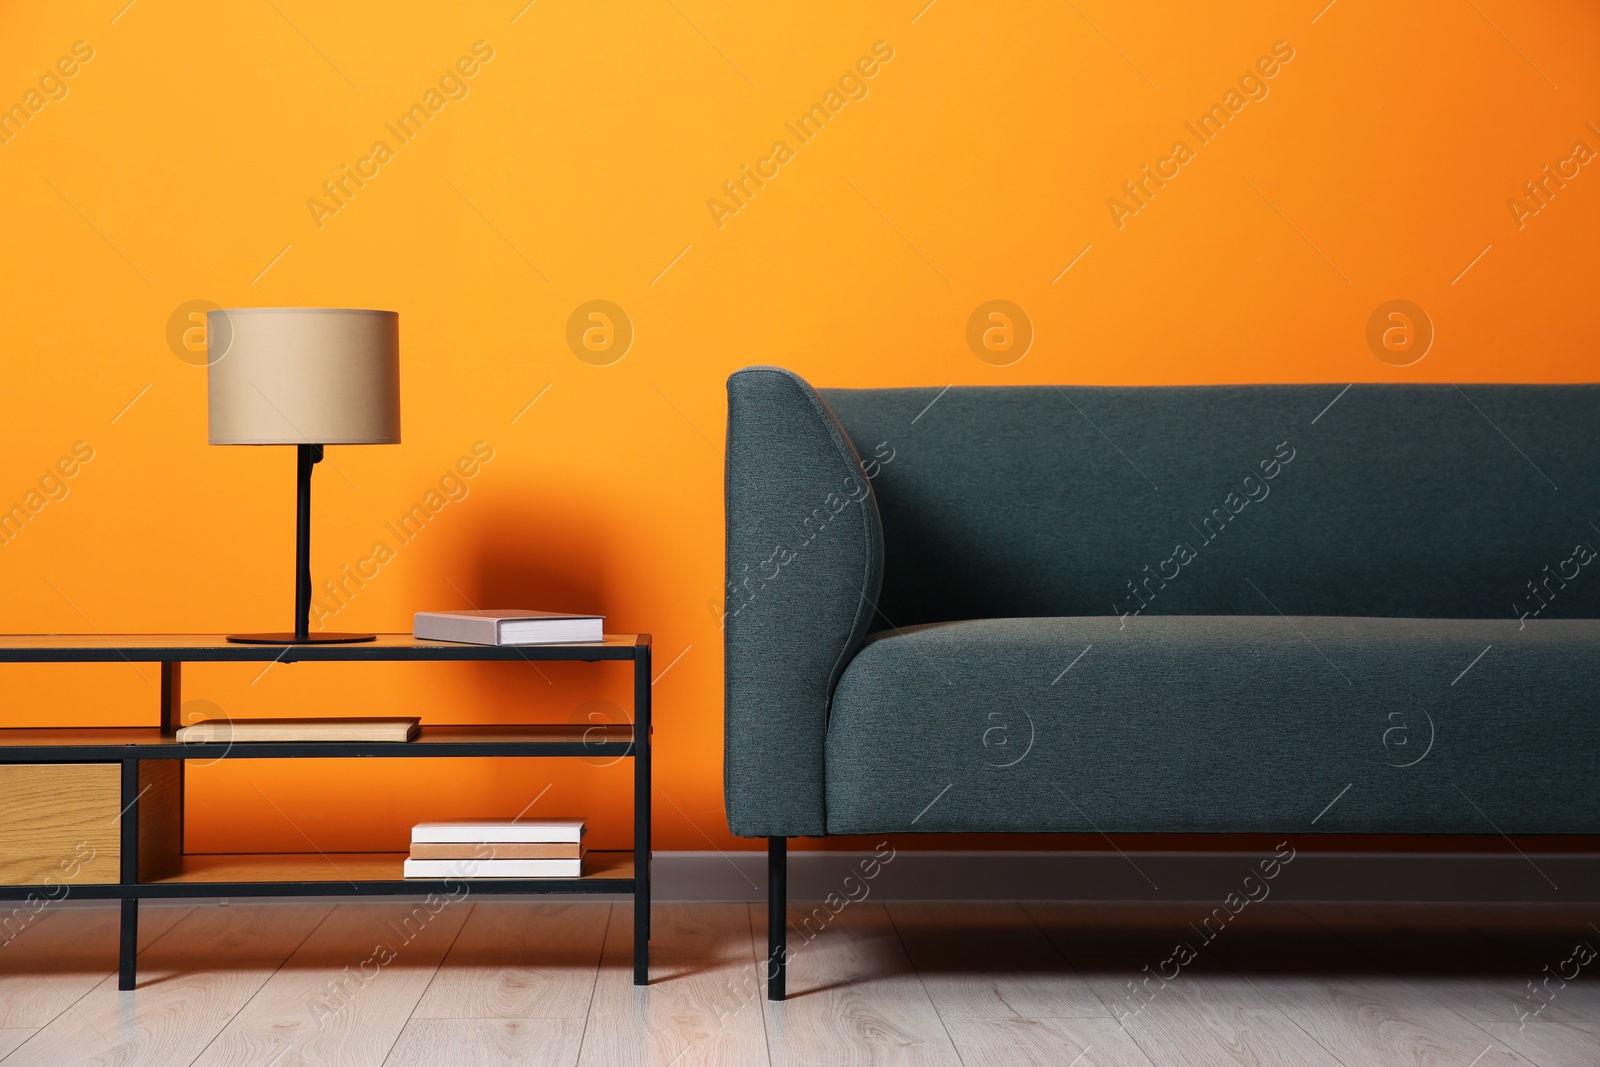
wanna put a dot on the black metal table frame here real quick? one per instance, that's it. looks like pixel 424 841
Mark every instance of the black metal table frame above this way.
pixel 160 745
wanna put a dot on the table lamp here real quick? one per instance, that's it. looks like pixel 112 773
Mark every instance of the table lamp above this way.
pixel 307 377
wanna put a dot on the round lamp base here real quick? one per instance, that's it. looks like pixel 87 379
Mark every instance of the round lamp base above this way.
pixel 291 639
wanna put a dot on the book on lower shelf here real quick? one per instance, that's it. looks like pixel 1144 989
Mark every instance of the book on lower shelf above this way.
pixel 502 831
pixel 475 868
pixel 509 626
pixel 224 731
pixel 423 850
pixel 532 848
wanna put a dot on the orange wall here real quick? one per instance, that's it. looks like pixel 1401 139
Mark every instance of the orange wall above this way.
pixel 177 163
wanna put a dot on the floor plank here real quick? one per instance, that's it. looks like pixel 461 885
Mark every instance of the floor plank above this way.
pixel 220 933
pixel 854 996
pixel 982 985
pixel 1550 1040
pixel 170 1019
pixel 692 1012
pixel 1351 1004
pixel 1478 961
pixel 65 952
pixel 695 1010
pixel 346 993
pixel 1200 1013
pixel 487 1043
pixel 520 960
pixel 10 1039
pixel 1374 1022
pixel 1019 1042
pixel 684 931
pixel 989 961
pixel 192 980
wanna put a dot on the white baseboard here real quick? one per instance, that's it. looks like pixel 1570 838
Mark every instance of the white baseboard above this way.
pixel 1112 876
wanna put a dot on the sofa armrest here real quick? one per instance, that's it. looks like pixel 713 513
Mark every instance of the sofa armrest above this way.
pixel 804 567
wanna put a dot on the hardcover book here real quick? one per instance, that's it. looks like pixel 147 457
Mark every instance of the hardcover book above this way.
pixel 500 831
pixel 493 868
pixel 497 850
pixel 509 627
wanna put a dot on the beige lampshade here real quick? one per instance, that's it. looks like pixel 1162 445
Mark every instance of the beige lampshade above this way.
pixel 303 376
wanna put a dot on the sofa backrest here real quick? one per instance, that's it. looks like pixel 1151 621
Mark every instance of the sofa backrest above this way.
pixel 1478 501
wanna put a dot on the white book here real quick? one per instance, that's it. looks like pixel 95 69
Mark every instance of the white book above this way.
pixel 499 831
pixel 517 626
pixel 493 868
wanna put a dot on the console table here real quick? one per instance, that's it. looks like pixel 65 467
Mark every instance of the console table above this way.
pixel 124 786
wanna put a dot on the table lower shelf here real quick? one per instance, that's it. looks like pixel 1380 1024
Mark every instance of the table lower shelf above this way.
pixel 336 874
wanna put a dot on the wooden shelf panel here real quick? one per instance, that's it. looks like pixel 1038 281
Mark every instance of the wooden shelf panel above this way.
pixel 88 743
pixel 337 871
pixel 216 648
pixel 58 825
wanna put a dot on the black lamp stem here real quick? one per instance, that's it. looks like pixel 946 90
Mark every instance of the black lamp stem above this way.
pixel 306 457
pixel 309 456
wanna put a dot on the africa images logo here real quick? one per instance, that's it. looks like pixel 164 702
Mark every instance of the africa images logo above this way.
pixel 1252 86
pixel 454 84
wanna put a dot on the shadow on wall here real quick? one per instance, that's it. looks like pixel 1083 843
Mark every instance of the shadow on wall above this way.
pixel 523 556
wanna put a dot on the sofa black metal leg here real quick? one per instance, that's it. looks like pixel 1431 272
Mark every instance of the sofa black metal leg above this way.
pixel 777 915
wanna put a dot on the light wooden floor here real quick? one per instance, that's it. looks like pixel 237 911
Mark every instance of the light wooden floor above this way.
pixel 999 985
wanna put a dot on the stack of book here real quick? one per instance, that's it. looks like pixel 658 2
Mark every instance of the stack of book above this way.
pixel 525 848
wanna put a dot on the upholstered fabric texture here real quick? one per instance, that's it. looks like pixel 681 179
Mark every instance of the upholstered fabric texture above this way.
pixel 1219 723
pixel 804 568
pixel 1399 501
pixel 1212 543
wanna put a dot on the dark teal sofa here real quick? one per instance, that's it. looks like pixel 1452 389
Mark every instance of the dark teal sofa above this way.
pixel 1304 608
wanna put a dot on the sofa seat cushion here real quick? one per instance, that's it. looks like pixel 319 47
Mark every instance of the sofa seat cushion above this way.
pixel 1220 723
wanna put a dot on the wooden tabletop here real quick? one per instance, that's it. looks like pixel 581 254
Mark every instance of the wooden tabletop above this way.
pixel 216 648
